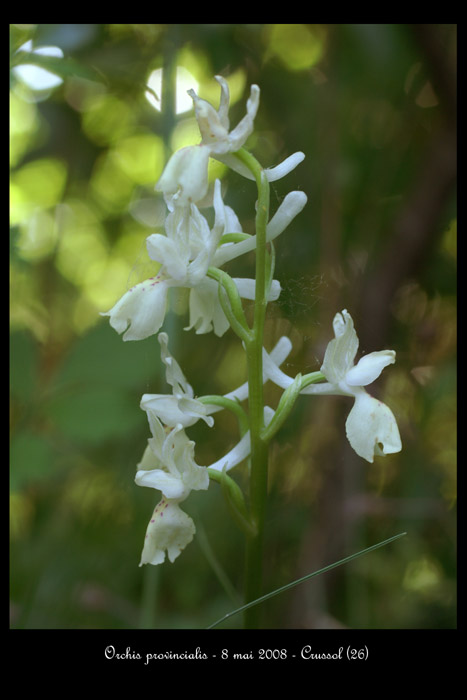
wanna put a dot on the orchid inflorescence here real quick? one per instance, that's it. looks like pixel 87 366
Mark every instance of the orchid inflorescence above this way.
pixel 191 254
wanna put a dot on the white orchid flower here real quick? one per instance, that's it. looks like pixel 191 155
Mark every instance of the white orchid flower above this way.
pixel 168 462
pixel 180 407
pixel 185 177
pixel 185 253
pixel 168 465
pixel 215 126
pixel 170 528
pixel 370 427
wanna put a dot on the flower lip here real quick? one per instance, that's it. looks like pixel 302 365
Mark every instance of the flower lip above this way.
pixel 371 428
pixel 170 530
pixel 140 311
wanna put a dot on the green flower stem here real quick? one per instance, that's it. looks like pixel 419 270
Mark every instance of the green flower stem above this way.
pixel 259 448
pixel 284 407
pixel 231 405
pixel 234 238
pixel 312 378
pixel 232 306
pixel 235 500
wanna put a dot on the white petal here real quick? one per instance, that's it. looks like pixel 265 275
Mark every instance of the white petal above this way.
pixel 173 372
pixel 148 461
pixel 232 222
pixel 198 268
pixel 291 205
pixel 178 458
pixel 213 128
pixel 369 367
pixel 272 174
pixel 340 352
pixel 224 103
pixel 246 288
pixel 271 371
pixel 185 176
pixel 173 411
pixel 327 389
pixel 165 407
pixel 235 456
pixel 277 355
pixel 205 309
pixel 371 428
pixel 170 529
pixel 193 410
pixel 281 350
pixel 141 310
pixel 285 167
pixel 165 251
pixel 161 480
pixel 242 131
pixel 341 322
pixel 233 250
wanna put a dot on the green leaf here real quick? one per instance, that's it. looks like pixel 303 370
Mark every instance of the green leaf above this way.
pixel 282 589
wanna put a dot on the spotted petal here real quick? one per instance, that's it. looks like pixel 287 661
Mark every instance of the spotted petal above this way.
pixel 169 530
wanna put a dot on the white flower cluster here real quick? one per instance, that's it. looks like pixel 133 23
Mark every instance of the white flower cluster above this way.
pixel 189 247
pixel 168 463
pixel 185 253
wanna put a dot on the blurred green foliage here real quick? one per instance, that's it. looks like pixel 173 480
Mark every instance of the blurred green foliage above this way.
pixel 373 108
